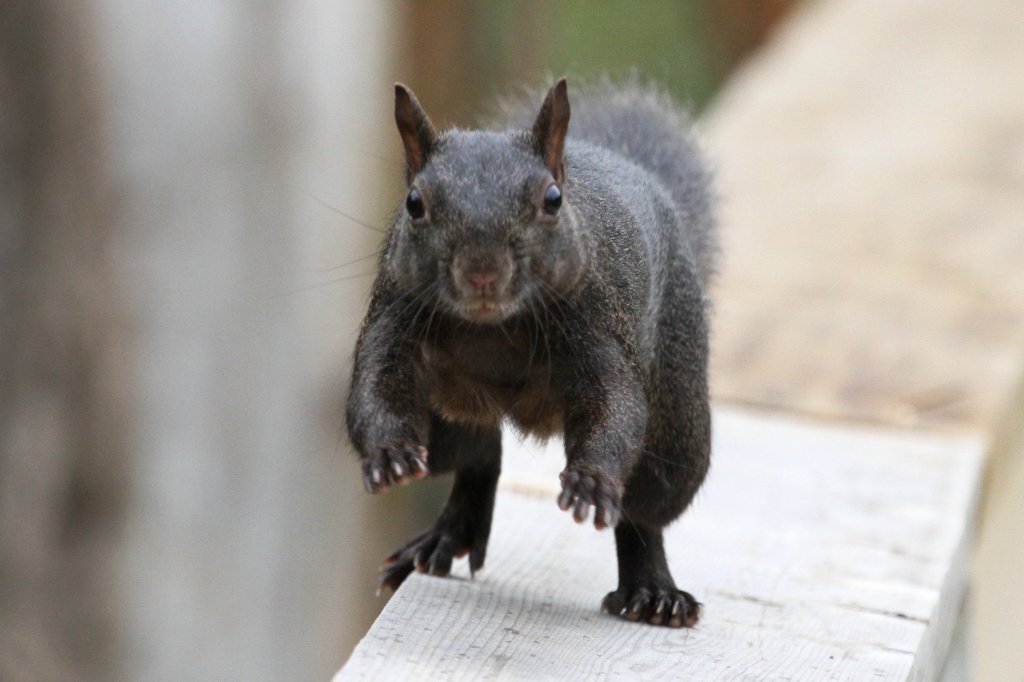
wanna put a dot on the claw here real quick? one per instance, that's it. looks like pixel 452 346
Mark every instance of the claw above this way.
pixel 604 516
pixel 582 510
pixel 659 610
pixel 433 552
pixel 394 464
pixel 569 480
pixel 658 605
pixel 581 491
pixel 419 467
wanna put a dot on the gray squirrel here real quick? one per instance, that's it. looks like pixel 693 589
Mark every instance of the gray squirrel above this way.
pixel 554 277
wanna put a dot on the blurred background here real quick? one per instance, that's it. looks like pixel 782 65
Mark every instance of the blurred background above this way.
pixel 191 198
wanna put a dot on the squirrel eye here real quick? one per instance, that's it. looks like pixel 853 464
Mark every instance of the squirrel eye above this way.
pixel 414 204
pixel 552 199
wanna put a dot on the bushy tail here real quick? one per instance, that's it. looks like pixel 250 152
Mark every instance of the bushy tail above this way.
pixel 645 126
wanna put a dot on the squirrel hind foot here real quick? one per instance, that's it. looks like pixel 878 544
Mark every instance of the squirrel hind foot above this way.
pixel 669 607
pixel 433 552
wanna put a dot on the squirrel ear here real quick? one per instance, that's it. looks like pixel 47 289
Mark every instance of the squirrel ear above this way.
pixel 418 134
pixel 550 128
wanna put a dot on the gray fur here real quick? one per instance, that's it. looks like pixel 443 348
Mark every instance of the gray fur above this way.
pixel 592 324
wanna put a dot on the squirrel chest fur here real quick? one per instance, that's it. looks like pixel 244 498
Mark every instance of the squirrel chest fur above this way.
pixel 480 376
pixel 556 279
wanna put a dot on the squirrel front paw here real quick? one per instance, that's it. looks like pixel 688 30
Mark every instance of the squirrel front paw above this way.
pixel 395 463
pixel 582 490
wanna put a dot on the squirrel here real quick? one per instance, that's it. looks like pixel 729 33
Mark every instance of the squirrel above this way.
pixel 555 278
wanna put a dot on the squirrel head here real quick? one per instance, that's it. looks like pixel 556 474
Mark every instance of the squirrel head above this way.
pixel 487 226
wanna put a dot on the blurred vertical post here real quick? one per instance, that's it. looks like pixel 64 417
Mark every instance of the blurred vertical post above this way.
pixel 231 123
pixel 162 239
pixel 63 456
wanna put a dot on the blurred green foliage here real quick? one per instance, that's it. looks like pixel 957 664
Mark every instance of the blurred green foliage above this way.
pixel 666 41
pixel 663 40
pixel 463 53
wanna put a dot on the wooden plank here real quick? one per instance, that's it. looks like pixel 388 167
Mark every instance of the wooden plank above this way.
pixel 997 590
pixel 871 161
pixel 820 552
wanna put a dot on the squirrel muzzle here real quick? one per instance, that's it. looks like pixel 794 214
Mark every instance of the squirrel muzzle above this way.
pixel 482 283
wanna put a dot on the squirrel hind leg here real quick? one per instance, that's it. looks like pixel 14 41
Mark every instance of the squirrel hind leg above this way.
pixel 464 526
pixel 663 482
pixel 646 590
pixel 676 453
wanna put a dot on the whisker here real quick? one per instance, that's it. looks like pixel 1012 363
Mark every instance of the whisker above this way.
pixel 430 320
pixel 504 332
pixel 680 465
pixel 357 221
pixel 542 331
pixel 421 297
pixel 532 330
pixel 354 261
pixel 556 308
pixel 319 285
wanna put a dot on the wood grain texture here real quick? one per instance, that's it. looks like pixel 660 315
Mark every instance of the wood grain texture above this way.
pixel 819 553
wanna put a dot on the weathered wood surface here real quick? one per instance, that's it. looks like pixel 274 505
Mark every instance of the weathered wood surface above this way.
pixel 820 552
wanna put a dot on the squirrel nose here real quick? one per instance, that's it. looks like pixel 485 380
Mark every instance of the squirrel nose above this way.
pixel 482 279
